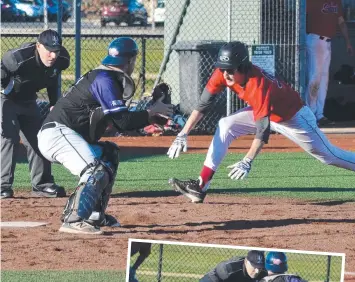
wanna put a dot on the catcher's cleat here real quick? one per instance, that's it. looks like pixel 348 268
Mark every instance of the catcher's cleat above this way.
pixel 80 227
pixel 105 220
pixel 189 188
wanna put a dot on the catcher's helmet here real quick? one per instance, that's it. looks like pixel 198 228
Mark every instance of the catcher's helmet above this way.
pixel 276 262
pixel 232 55
pixel 120 51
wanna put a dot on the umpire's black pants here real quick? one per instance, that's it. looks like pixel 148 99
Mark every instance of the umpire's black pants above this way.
pixel 22 119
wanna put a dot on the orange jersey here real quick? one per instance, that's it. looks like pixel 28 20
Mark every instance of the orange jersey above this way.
pixel 322 17
pixel 266 95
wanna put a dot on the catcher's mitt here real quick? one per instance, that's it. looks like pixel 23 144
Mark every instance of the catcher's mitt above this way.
pixel 161 90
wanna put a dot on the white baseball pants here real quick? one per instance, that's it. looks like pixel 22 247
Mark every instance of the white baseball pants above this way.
pixel 301 129
pixel 318 61
pixel 63 145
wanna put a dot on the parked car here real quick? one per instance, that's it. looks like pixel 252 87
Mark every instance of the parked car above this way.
pixel 9 12
pixel 137 11
pixel 31 10
pixel 159 13
pixel 52 9
pixel 116 12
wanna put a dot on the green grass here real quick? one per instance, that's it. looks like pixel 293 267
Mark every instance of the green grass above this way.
pixel 62 276
pixel 291 175
pixel 188 263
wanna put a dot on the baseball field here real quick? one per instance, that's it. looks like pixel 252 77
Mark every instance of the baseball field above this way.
pixel 179 262
pixel 289 201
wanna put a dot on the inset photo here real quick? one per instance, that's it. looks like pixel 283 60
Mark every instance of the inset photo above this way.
pixel 165 261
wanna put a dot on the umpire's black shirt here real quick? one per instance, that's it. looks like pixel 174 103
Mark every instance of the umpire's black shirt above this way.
pixel 30 74
pixel 236 272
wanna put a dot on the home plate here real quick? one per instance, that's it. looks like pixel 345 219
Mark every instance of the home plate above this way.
pixel 19 224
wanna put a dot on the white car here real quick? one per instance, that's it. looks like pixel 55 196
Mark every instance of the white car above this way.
pixel 159 13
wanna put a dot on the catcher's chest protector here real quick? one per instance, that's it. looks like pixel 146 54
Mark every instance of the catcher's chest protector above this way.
pixel 282 278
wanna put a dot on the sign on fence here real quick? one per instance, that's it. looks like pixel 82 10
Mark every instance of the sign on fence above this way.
pixel 263 56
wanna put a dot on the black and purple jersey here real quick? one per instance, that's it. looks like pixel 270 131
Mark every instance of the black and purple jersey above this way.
pixel 97 88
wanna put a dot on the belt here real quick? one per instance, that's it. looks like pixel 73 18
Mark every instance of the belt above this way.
pixel 325 38
pixel 48 125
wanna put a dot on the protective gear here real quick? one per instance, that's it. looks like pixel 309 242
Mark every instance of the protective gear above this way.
pixel 162 90
pixel 233 55
pixel 120 51
pixel 129 87
pixel 240 170
pixel 225 269
pixel 93 194
pixel 283 278
pixel 179 144
pixel 276 262
pixel 110 156
pixel 82 202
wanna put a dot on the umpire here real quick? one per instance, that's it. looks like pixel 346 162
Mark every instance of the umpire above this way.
pixel 248 269
pixel 24 71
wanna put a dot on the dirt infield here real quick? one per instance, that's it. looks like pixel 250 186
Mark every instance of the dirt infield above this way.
pixel 262 222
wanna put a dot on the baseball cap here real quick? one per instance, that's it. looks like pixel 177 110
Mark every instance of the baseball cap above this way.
pixel 50 39
pixel 256 259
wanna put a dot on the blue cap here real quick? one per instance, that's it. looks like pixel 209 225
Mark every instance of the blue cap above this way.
pixel 120 51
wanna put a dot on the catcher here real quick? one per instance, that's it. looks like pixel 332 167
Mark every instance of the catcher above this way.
pixel 276 266
pixel 272 105
pixel 71 131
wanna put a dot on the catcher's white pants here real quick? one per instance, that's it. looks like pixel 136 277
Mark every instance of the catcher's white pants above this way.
pixel 63 145
pixel 318 61
pixel 301 129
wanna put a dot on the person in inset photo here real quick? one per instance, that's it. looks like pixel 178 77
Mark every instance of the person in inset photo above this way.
pixel 247 269
pixel 276 266
pixel 144 250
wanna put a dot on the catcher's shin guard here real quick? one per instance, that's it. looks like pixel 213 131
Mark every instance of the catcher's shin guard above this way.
pixel 110 158
pixel 84 200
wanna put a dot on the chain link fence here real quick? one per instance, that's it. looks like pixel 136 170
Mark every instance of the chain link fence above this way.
pixel 180 52
pixel 184 263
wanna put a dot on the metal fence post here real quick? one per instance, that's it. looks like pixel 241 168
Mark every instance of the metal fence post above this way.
pixel 77 39
pixel 59 30
pixel 160 264
pixel 328 268
pixel 302 48
pixel 229 92
pixel 142 74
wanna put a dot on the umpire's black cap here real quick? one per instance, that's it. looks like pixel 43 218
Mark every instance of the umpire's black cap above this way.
pixel 50 40
pixel 256 259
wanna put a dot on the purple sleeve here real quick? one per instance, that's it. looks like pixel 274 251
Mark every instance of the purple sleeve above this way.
pixel 108 93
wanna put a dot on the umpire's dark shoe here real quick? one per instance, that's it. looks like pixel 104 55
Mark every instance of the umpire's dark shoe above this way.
pixel 189 188
pixel 324 122
pixel 9 193
pixel 54 191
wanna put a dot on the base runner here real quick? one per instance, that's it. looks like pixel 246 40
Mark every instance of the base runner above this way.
pixel 272 105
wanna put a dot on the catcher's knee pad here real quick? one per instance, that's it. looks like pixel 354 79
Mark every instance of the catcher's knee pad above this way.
pixel 86 196
pixel 110 156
